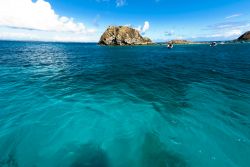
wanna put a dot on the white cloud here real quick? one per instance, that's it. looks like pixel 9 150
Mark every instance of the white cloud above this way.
pixel 221 35
pixel 226 30
pixel 231 33
pixel 145 27
pixel 120 3
pixel 229 25
pixel 38 15
pixel 18 36
pixel 169 33
pixel 227 34
pixel 128 25
pixel 234 15
pixel 36 35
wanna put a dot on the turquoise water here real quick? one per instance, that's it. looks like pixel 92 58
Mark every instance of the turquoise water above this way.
pixel 83 105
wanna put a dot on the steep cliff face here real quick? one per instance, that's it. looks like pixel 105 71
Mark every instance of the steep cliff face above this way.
pixel 123 35
pixel 245 36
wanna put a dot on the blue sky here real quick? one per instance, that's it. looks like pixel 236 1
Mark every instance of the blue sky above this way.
pixel 85 20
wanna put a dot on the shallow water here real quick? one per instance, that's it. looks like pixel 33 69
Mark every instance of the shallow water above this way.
pixel 83 105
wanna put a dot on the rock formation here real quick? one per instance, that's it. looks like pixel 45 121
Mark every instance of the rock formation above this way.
pixel 123 35
pixel 179 42
pixel 245 36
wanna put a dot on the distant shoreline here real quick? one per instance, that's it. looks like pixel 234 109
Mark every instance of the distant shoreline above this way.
pixel 153 44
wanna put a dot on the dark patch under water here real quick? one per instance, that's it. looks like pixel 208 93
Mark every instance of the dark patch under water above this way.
pixel 90 155
pixel 9 162
pixel 154 153
pixel 83 105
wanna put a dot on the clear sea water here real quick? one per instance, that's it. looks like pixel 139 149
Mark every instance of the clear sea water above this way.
pixel 84 105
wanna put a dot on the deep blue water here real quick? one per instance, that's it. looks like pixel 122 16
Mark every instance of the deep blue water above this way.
pixel 84 105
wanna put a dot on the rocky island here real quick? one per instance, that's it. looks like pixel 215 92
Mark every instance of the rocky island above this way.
pixel 123 35
pixel 179 42
pixel 245 36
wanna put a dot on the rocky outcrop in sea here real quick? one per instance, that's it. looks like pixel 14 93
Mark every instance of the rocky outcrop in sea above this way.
pixel 245 36
pixel 123 35
pixel 179 42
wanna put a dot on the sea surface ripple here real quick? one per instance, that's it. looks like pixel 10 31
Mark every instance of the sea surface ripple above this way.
pixel 84 105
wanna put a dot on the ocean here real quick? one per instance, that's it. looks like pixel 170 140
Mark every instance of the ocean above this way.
pixel 84 105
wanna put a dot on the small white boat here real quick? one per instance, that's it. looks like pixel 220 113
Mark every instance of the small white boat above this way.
pixel 170 46
pixel 213 44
